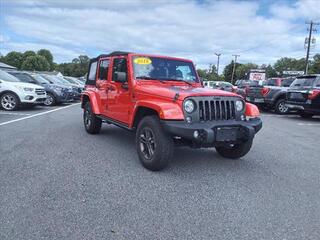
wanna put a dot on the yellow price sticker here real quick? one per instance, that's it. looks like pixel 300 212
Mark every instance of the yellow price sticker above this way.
pixel 142 60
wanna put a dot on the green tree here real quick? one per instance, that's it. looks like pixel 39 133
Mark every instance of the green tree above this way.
pixel 270 72
pixel 35 63
pixel 14 59
pixel 77 68
pixel 289 64
pixel 227 72
pixel 243 70
pixel 47 54
pixel 28 54
pixel 315 64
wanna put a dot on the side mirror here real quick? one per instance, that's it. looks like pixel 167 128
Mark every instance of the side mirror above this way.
pixel 120 77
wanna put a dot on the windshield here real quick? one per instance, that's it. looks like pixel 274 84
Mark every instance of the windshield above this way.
pixel 7 77
pixel 303 82
pixel 40 79
pixel 163 69
pixel 23 77
pixel 71 80
pixel 54 79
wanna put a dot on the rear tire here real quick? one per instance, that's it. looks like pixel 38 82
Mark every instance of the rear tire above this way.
pixel 235 152
pixel 154 146
pixel 91 122
pixel 306 115
pixel 281 107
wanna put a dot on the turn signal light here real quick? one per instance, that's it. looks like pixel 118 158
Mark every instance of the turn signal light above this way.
pixel 252 110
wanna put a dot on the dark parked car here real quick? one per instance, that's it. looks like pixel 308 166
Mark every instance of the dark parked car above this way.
pixel 304 95
pixel 75 95
pixel 270 94
pixel 56 93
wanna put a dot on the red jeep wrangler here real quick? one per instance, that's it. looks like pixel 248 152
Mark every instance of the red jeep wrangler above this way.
pixel 164 102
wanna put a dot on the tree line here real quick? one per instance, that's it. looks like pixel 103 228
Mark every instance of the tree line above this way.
pixel 275 70
pixel 42 60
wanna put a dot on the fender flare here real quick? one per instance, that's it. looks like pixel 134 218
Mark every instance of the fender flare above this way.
pixel 93 101
pixel 166 110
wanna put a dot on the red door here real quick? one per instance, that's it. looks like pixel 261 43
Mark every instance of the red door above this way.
pixel 102 84
pixel 119 104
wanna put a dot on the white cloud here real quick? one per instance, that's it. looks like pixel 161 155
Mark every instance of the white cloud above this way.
pixel 180 28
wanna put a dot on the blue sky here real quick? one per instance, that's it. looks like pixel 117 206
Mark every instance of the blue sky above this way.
pixel 260 31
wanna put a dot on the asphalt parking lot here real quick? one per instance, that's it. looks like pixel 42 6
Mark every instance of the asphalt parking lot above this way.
pixel 58 182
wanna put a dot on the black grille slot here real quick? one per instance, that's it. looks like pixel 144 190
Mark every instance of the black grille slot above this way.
pixel 216 110
pixel 40 91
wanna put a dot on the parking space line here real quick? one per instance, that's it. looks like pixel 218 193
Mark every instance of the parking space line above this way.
pixel 309 124
pixel 15 114
pixel 37 114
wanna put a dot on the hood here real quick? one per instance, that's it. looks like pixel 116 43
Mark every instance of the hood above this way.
pixel 26 85
pixel 168 91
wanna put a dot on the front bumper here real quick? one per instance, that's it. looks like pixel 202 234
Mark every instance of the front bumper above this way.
pixel 32 98
pixel 214 132
pixel 303 107
pixel 63 97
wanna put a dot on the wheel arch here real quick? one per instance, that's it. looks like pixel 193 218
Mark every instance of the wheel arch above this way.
pixel 9 91
pixel 90 97
pixel 141 112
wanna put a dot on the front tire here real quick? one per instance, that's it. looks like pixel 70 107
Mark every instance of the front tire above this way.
pixel 91 122
pixel 235 152
pixel 154 146
pixel 50 100
pixel 9 101
pixel 281 107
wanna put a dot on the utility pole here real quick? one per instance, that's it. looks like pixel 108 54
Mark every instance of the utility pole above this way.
pixel 218 55
pixel 234 66
pixel 311 29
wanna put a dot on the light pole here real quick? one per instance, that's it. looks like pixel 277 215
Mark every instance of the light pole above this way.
pixel 234 66
pixel 218 55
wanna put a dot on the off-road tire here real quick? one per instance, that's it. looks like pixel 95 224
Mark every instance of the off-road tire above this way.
pixel 92 123
pixel 235 152
pixel 280 107
pixel 306 115
pixel 159 140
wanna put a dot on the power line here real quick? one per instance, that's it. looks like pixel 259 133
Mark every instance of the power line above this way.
pixel 234 66
pixel 311 29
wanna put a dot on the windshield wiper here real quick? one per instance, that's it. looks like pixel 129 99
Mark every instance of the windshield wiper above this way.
pixel 149 78
pixel 178 80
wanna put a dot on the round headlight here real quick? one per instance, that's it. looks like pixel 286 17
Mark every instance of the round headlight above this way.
pixel 239 105
pixel 189 106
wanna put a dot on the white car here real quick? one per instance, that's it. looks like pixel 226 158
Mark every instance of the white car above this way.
pixel 14 93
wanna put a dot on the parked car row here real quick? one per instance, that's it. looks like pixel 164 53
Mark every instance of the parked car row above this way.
pixel 22 88
pixel 301 94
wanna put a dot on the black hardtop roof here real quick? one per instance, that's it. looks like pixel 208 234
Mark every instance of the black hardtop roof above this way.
pixel 309 76
pixel 115 53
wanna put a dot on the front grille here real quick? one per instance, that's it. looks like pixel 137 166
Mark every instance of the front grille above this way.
pixel 216 110
pixel 40 91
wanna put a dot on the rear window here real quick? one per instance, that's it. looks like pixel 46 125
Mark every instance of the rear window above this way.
pixel 92 73
pixel 287 82
pixel 271 82
pixel 304 82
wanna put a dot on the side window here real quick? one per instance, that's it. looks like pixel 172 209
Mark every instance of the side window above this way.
pixel 92 73
pixel 103 69
pixel 119 65
pixel 317 82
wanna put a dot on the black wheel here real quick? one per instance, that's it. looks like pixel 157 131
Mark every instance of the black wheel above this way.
pixel 9 101
pixel 154 145
pixel 236 151
pixel 50 100
pixel 92 123
pixel 281 107
pixel 306 115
